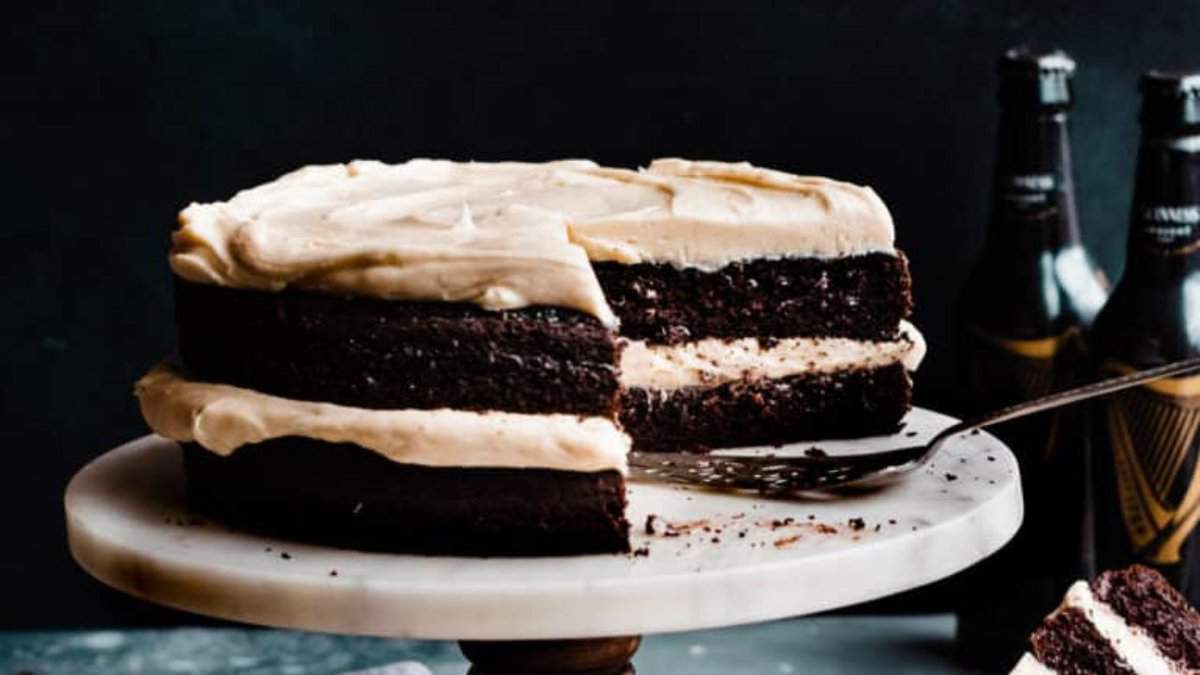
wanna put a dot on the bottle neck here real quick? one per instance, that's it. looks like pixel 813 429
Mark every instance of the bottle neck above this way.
pixel 1033 191
pixel 1164 225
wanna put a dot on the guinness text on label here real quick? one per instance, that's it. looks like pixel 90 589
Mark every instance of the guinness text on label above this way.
pixel 1169 229
pixel 1025 190
pixel 1188 215
pixel 1038 182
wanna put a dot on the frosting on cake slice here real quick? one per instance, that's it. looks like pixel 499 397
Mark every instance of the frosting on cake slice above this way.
pixel 1125 621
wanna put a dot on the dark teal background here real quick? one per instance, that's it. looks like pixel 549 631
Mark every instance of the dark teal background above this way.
pixel 115 117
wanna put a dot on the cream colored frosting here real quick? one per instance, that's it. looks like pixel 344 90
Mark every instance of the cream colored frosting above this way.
pixel 509 235
pixel 709 214
pixel 423 230
pixel 223 418
pixel 712 362
pixel 1138 649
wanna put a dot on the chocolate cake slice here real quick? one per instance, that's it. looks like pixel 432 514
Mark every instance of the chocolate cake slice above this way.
pixel 1125 621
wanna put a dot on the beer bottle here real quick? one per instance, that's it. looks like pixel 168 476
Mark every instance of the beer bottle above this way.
pixel 1022 322
pixel 1147 440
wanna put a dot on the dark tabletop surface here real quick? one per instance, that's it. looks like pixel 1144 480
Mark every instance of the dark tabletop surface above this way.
pixel 824 645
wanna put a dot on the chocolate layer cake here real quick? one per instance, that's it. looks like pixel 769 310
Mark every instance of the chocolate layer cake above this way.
pixel 1125 621
pixel 438 357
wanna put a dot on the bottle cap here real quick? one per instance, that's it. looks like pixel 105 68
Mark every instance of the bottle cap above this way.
pixel 1170 100
pixel 1033 78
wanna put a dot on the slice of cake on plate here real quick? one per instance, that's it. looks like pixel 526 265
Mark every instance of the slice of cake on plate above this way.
pixel 427 357
pixel 1127 621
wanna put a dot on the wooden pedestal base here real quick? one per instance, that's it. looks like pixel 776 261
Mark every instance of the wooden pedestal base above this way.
pixel 598 656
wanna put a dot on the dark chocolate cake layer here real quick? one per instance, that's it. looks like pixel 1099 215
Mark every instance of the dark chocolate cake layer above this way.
pixel 344 495
pixel 385 354
pixel 862 297
pixel 767 412
pixel 1145 599
pixel 1068 643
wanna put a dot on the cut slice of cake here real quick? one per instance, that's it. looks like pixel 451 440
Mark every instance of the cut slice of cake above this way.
pixel 425 357
pixel 1129 621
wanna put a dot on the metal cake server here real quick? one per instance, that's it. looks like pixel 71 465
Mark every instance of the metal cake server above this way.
pixel 780 475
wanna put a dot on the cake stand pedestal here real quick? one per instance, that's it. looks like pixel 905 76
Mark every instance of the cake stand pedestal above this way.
pixel 702 559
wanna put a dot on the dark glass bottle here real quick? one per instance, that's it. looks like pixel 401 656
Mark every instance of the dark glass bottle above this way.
pixel 1023 319
pixel 1147 440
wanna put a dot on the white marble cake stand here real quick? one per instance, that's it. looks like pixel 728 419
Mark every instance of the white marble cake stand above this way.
pixel 738 558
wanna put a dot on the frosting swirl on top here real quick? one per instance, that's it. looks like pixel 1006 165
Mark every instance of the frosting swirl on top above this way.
pixel 509 235
pixel 709 214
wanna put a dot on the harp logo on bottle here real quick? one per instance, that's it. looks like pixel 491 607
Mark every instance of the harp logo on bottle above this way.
pixel 1155 438
pixel 1003 370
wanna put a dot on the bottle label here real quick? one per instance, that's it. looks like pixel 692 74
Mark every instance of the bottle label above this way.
pixel 1166 212
pixel 1168 229
pixel 1032 184
pixel 1023 199
pixel 1021 192
pixel 1154 433
pixel 1002 371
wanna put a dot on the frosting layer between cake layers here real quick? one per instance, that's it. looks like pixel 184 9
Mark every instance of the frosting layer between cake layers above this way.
pixel 223 418
pixel 1137 650
pixel 510 235
pixel 714 361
